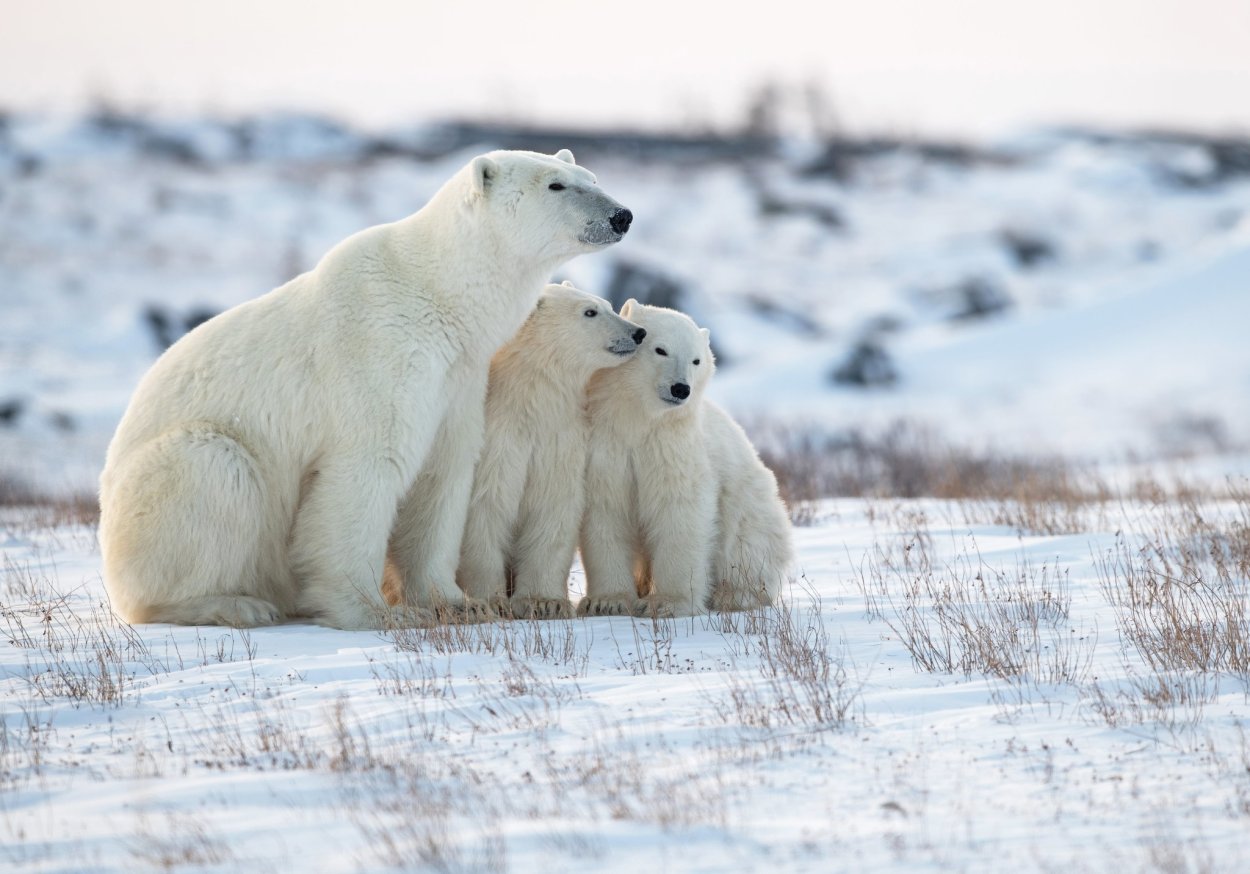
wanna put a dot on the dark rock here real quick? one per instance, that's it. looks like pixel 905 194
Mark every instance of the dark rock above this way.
pixel 979 298
pixel 62 421
pixel 868 366
pixel 10 411
pixel 791 319
pixel 1028 250
pixel 167 326
pixel 822 213
pixel 196 317
pixel 645 285
pixel 159 322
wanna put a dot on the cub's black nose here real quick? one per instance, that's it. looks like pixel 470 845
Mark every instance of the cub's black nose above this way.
pixel 638 336
pixel 680 390
pixel 620 220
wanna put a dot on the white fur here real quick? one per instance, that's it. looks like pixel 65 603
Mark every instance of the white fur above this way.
pixel 527 490
pixel 265 457
pixel 681 515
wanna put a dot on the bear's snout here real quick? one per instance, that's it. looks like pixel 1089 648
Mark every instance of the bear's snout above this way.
pixel 639 335
pixel 680 390
pixel 621 220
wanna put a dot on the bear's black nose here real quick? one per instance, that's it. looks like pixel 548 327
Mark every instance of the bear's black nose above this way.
pixel 620 220
pixel 680 390
pixel 638 336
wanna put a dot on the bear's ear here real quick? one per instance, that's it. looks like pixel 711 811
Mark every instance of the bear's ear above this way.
pixel 568 283
pixel 481 172
pixel 566 156
pixel 628 307
pixel 705 333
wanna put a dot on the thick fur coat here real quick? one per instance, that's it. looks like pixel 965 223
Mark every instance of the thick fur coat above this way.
pixel 681 515
pixel 528 493
pixel 268 454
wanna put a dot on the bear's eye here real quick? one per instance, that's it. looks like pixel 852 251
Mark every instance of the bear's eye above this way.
pixel 590 314
pixel 659 350
pixel 696 361
pixel 556 186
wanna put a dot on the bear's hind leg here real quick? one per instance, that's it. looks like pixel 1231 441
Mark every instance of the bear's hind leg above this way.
pixel 182 520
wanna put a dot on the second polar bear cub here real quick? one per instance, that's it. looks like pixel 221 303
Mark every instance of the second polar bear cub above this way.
pixel 527 497
pixel 681 515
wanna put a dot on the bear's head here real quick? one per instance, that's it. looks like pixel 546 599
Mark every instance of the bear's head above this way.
pixel 543 206
pixel 674 366
pixel 581 330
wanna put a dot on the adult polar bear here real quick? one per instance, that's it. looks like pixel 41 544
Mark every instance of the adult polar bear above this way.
pixel 266 455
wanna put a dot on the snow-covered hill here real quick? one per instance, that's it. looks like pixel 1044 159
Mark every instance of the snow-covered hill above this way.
pixel 1058 291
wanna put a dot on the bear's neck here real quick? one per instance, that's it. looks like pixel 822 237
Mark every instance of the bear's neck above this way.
pixel 489 290
pixel 527 363
pixel 632 422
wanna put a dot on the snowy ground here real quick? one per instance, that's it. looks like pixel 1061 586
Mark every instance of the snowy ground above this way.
pixel 942 692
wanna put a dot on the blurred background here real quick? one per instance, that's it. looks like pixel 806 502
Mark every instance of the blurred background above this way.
pixel 990 232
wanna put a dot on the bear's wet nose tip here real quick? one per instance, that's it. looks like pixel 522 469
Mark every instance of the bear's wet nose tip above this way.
pixel 680 390
pixel 621 220
pixel 639 335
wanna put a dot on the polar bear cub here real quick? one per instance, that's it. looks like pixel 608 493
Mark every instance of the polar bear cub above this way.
pixel 269 455
pixel 681 515
pixel 527 498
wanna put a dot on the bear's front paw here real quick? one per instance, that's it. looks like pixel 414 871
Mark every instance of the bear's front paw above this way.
pixel 621 605
pixel 541 608
pixel 246 612
pixel 468 611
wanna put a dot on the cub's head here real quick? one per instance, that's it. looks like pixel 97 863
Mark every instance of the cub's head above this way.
pixel 581 329
pixel 674 365
pixel 543 206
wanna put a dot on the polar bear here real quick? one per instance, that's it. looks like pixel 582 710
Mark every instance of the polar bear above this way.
pixel 681 516
pixel 267 455
pixel 527 498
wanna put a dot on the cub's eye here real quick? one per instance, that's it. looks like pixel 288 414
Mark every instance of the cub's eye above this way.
pixel 556 186
pixel 590 314
pixel 659 350
pixel 696 361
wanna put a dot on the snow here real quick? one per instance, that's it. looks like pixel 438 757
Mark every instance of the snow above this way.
pixel 610 743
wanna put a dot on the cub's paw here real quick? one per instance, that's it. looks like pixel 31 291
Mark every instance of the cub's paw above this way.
pixel 660 607
pixel 470 610
pixel 541 608
pixel 621 605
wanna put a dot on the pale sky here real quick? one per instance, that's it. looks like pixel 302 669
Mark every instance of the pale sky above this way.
pixel 957 67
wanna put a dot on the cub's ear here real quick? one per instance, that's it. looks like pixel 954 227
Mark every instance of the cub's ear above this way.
pixel 568 283
pixel 566 156
pixel 705 333
pixel 628 307
pixel 482 171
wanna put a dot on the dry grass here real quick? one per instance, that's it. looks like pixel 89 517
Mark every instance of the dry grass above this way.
pixel 89 657
pixel 1181 589
pixel 966 617
pixel 797 679
pixel 1044 494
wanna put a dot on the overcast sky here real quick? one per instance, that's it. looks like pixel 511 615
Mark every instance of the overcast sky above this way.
pixel 961 67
